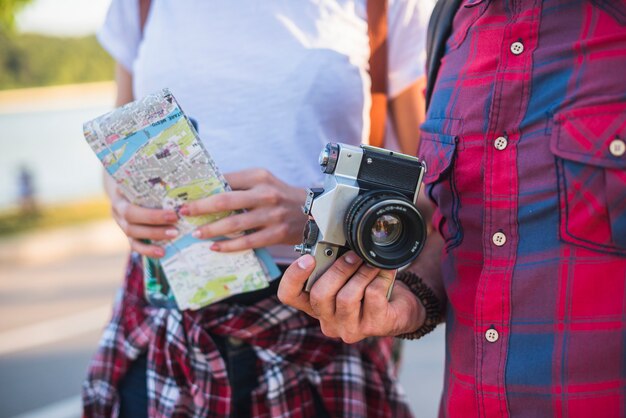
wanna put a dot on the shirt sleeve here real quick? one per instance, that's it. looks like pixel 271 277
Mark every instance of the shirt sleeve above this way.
pixel 408 20
pixel 120 34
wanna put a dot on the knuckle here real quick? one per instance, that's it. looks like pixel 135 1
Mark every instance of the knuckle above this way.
pixel 234 223
pixel 341 268
pixel 263 174
pixel 350 338
pixel 247 241
pixel 192 206
pixel 155 218
pixel 364 274
pixel 317 295
pixel 328 330
pixel 346 301
pixel 222 202
pixel 374 290
pixel 368 328
pixel 158 234
pixel 272 197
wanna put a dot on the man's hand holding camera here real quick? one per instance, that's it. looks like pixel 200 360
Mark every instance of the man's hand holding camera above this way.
pixel 367 210
pixel 350 299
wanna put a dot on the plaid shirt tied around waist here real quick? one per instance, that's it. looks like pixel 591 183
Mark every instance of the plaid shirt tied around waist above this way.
pixel 525 143
pixel 187 376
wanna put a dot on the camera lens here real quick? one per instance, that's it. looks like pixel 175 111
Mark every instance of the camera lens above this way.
pixel 385 229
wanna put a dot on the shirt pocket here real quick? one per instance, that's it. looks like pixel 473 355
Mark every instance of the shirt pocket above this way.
pixel 590 150
pixel 464 19
pixel 437 150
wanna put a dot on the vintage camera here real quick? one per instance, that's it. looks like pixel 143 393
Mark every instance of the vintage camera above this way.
pixel 367 205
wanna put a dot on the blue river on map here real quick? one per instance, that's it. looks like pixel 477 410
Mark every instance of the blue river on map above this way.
pixel 138 139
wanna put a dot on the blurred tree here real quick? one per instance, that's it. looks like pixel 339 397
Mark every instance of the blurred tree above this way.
pixel 8 10
pixel 31 60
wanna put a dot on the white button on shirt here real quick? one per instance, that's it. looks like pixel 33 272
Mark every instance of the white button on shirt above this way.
pixel 499 239
pixel 500 143
pixel 617 147
pixel 492 335
pixel 517 48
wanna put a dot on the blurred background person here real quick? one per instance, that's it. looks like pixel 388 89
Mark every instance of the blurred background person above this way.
pixel 26 191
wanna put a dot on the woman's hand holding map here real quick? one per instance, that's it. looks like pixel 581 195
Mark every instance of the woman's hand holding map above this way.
pixel 271 212
pixel 141 224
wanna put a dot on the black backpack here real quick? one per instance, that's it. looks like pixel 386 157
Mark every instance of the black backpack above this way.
pixel 439 29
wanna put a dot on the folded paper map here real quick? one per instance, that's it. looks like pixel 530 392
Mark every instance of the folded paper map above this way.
pixel 154 154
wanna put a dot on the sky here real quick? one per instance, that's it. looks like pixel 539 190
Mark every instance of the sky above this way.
pixel 62 17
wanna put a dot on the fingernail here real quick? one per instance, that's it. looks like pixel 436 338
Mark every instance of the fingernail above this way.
pixel 171 232
pixel 196 234
pixel 351 258
pixel 159 252
pixel 215 247
pixel 184 210
pixel 305 262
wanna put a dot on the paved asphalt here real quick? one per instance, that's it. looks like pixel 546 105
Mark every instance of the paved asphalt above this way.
pixel 51 315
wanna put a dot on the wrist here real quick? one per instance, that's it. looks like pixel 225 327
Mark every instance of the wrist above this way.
pixel 428 308
pixel 414 309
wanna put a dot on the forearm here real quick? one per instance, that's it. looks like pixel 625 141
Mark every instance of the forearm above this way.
pixel 408 113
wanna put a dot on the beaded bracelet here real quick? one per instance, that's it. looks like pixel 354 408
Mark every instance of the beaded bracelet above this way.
pixel 428 299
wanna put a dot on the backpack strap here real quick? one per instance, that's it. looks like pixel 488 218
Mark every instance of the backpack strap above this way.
pixel 439 30
pixel 144 9
pixel 377 31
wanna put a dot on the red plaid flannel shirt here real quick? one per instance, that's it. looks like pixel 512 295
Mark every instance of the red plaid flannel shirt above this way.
pixel 187 377
pixel 525 146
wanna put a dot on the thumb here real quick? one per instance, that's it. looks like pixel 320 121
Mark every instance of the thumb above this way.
pixel 291 288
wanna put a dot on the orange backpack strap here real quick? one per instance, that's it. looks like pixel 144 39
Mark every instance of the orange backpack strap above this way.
pixel 144 9
pixel 377 30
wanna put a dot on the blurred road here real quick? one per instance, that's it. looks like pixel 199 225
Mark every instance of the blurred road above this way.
pixel 52 313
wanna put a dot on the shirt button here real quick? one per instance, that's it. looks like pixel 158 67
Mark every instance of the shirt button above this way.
pixel 517 48
pixel 617 147
pixel 500 143
pixel 499 239
pixel 492 335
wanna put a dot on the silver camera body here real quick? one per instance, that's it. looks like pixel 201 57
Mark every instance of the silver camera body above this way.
pixel 367 204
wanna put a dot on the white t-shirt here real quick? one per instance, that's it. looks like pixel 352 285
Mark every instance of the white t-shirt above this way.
pixel 269 82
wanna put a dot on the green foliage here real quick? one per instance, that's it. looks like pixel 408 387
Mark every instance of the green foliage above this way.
pixel 31 60
pixel 8 10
